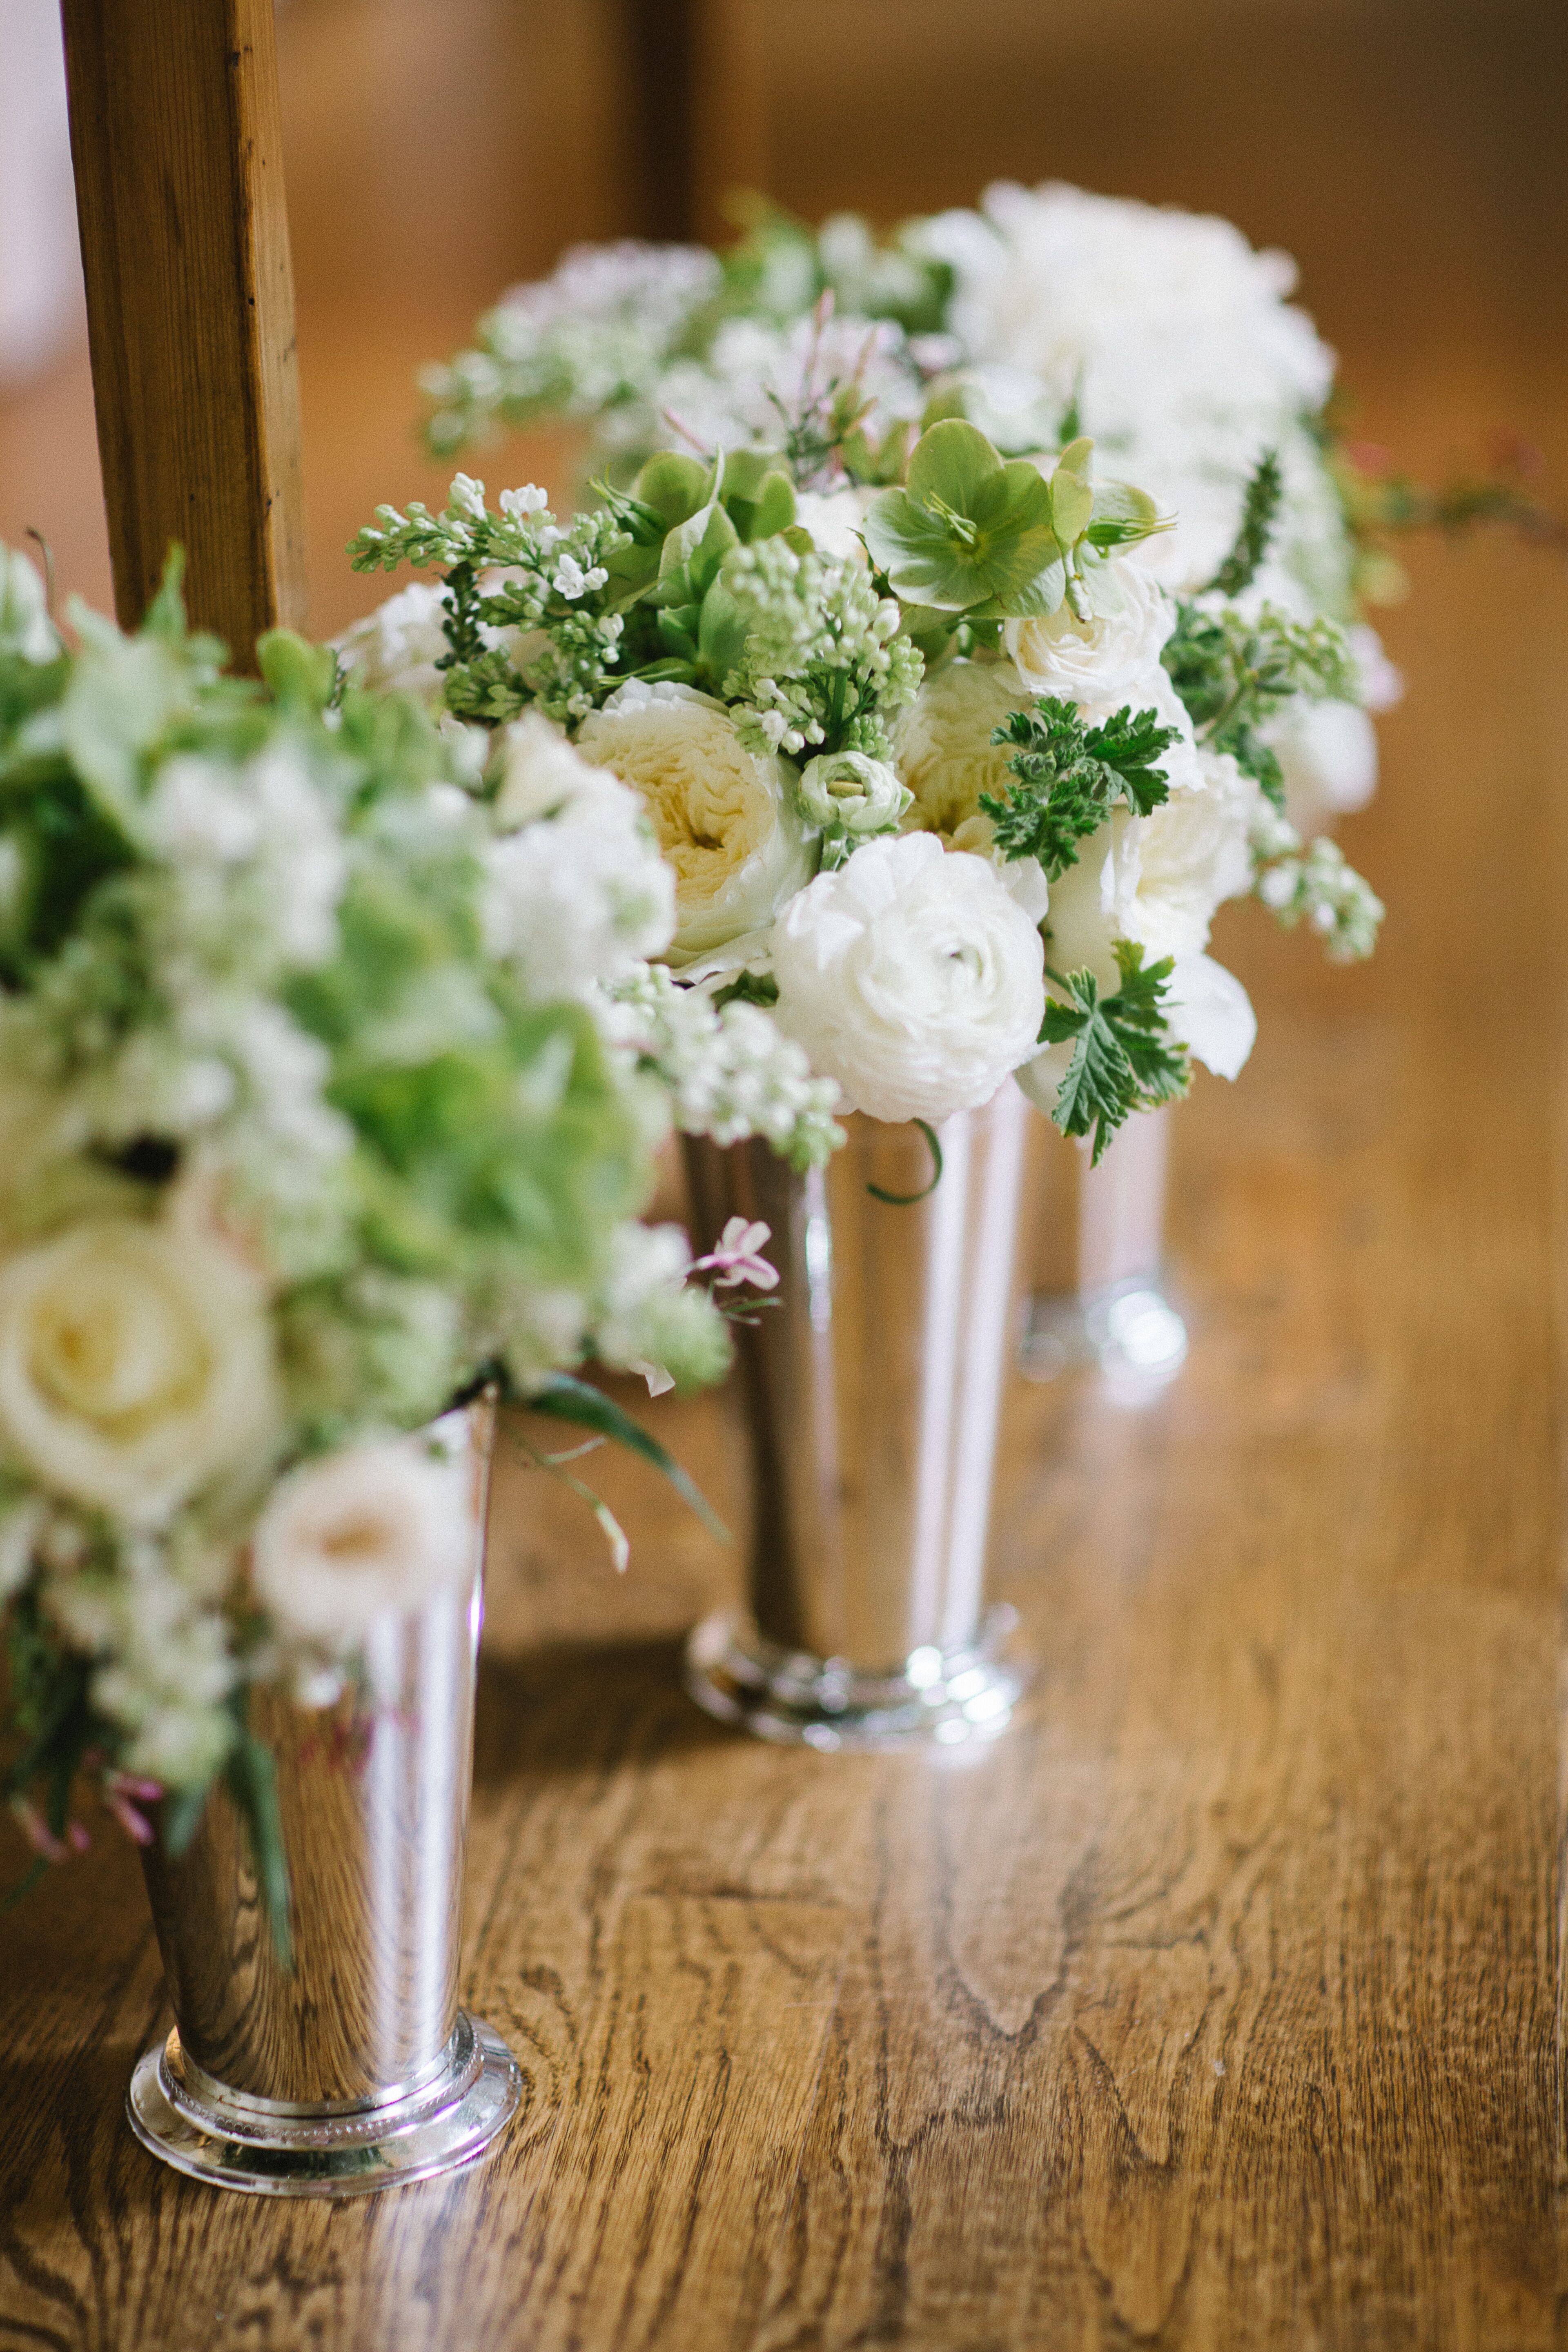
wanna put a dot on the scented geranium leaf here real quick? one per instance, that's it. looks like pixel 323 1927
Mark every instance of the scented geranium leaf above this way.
pixel 1123 1058
pixel 1132 747
pixel 1069 776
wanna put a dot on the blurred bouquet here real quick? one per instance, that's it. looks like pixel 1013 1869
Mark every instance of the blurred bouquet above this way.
pixel 950 778
pixel 1044 314
pixel 330 1072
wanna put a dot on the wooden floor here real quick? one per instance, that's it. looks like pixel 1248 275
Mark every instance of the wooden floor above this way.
pixel 1217 2006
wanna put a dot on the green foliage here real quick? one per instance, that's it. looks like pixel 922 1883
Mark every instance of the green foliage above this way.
pixel 562 1398
pixel 1235 673
pixel 1123 1058
pixel 699 575
pixel 1260 511
pixel 1070 776
pixel 973 534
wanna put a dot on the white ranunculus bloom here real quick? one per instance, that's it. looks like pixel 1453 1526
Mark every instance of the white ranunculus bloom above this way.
pixel 1157 880
pixel 911 977
pixel 1211 1014
pixel 851 791
pixel 136 1367
pixel 1099 664
pixel 725 818
pixel 1328 753
pixel 375 1531
pixel 580 893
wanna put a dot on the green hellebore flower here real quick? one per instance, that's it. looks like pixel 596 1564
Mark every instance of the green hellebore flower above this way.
pixel 969 531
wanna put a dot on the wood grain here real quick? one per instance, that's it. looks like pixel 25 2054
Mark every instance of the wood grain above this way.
pixel 184 239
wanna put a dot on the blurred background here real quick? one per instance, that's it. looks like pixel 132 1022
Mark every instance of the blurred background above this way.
pixel 1408 153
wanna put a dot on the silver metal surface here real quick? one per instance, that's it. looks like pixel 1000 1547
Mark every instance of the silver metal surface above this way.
pixel 873 1393
pixel 1094 1244
pixel 359 2047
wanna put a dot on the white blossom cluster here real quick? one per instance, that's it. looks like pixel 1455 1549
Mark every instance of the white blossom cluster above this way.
pixel 821 643
pixel 1313 884
pixel 1175 344
pixel 729 1071
pixel 592 339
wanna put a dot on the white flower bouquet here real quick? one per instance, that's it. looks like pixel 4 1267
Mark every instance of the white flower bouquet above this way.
pixel 330 1072
pixel 950 778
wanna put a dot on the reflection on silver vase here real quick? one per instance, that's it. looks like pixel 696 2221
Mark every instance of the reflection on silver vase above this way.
pixel 873 1393
pixel 1094 1246
pixel 354 2069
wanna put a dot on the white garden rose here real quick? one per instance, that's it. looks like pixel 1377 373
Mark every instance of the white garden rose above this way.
pixel 375 1531
pixel 136 1367
pixel 911 977
pixel 942 747
pixel 725 817
pixel 1157 880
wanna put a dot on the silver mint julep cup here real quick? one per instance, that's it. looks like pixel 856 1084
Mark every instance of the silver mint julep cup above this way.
pixel 872 1394
pixel 356 2068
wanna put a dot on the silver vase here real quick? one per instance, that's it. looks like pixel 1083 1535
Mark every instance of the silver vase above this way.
pixel 353 2069
pixel 1094 1251
pixel 872 1394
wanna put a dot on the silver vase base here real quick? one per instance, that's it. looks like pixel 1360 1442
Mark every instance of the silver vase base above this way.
pixel 275 2149
pixel 1129 1332
pixel 951 1698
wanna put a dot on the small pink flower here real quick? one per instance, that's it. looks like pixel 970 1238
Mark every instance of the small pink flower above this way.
pixel 134 1784
pixel 739 1259
pixel 136 1825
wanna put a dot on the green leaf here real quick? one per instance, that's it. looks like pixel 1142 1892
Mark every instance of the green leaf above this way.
pixel 180 1817
pixel 298 675
pixel 565 1399
pixel 1067 777
pixel 1259 513
pixel 969 531
pixel 1123 1058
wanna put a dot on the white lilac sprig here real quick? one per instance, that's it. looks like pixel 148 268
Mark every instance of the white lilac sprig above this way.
pixel 1312 883
pixel 729 1071
pixel 824 665
pixel 509 577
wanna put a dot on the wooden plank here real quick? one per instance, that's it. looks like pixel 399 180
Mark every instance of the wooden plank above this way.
pixel 177 150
